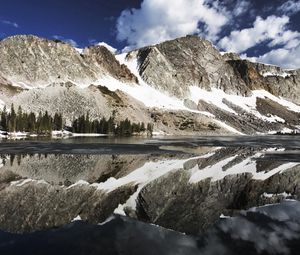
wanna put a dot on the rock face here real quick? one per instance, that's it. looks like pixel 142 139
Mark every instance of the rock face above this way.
pixel 35 61
pixel 174 65
pixel 277 81
pixel 104 58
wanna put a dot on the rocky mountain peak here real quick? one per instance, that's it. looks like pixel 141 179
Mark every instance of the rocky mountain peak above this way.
pixel 35 61
pixel 106 59
pixel 231 56
pixel 175 65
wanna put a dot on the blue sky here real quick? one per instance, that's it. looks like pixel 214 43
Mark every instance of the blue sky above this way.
pixel 267 31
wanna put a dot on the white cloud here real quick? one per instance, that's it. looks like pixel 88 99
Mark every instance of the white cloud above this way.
pixel 69 41
pixel 10 23
pixel 241 7
pixel 290 7
pixel 273 31
pixel 160 20
pixel 289 39
pixel 286 58
pixel 272 28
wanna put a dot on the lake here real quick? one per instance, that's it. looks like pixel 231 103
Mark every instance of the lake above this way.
pixel 187 195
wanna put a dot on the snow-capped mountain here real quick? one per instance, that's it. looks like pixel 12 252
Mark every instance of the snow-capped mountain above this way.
pixel 182 86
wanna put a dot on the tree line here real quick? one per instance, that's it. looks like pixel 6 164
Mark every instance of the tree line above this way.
pixel 44 123
pixel 84 124
pixel 19 121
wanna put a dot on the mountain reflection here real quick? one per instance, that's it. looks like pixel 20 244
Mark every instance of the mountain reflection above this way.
pixel 183 192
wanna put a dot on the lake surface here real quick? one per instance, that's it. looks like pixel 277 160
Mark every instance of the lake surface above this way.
pixel 203 195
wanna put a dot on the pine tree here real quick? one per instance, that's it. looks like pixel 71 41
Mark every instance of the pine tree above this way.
pixel 39 124
pixel 3 122
pixel 12 117
pixel 150 128
pixel 110 126
pixel 46 123
pixel 19 120
pixel 75 126
pixel 57 122
pixel 87 124
pixel 81 124
pixel 31 123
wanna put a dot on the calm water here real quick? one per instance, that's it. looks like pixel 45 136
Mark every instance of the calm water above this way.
pixel 205 195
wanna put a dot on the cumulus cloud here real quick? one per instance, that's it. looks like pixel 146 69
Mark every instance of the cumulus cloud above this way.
pixel 272 28
pixel 286 58
pixel 69 41
pixel 273 32
pixel 160 20
pixel 289 39
pixel 10 23
pixel 290 7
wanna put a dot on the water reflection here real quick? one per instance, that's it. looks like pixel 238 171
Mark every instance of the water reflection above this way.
pixel 183 192
pixel 59 169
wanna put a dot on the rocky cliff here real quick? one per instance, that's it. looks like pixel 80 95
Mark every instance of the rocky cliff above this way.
pixel 175 65
pixel 32 61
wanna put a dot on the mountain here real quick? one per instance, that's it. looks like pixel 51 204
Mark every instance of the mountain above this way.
pixel 183 86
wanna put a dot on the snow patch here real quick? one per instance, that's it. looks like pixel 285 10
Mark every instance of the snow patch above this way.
pixel 281 74
pixel 148 172
pixel 22 85
pixel 110 218
pixel 78 183
pixel 222 216
pixel 61 133
pixel 77 218
pixel 79 50
pixel 87 134
pixel 107 46
pixel 229 128
pixel 22 182
pixel 215 97
pixel 144 93
pixel 270 195
pixel 248 104
pixel 215 172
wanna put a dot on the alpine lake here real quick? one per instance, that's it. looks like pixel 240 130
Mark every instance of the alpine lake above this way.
pixel 170 195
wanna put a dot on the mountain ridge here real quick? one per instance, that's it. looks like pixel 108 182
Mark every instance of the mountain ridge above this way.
pixel 187 75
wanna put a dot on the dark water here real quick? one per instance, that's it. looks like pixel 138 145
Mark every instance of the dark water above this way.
pixel 174 193
pixel 273 229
